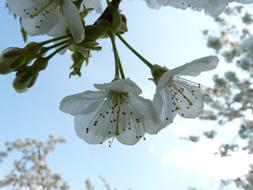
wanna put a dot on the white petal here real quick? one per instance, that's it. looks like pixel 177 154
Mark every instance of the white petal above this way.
pixel 43 22
pixel 59 29
pixel 164 107
pixel 96 135
pixel 145 110
pixel 128 137
pixel 131 134
pixel 193 68
pixel 215 7
pixel 197 66
pixel 212 7
pixel 24 8
pixel 153 4
pixel 73 20
pixel 186 100
pixel 82 103
pixel 122 85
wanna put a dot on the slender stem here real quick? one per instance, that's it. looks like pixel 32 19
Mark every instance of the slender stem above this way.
pixel 54 39
pixel 121 69
pixel 45 49
pixel 56 51
pixel 116 76
pixel 150 65
pixel 119 62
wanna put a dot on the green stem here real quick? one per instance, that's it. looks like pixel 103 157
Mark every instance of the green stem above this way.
pixel 121 69
pixel 150 65
pixel 118 66
pixel 56 51
pixel 45 49
pixel 116 76
pixel 53 40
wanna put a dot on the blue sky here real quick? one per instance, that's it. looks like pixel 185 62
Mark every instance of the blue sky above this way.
pixel 169 37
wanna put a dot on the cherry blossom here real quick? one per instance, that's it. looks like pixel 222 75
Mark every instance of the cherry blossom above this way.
pixel 176 95
pixel 115 111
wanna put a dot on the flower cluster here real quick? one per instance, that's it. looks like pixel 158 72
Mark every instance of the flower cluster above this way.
pixel 117 110
pixel 58 17
pixel 211 7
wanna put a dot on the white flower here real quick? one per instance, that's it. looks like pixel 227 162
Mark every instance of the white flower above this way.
pixel 177 95
pixel 212 7
pixel 44 16
pixel 116 110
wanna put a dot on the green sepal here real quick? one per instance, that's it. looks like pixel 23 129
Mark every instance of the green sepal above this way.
pixel 84 46
pixel 23 32
pixel 78 60
pixel 157 73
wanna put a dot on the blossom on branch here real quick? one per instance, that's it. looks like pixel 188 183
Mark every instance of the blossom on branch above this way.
pixel 53 17
pixel 175 95
pixel 211 7
pixel 115 111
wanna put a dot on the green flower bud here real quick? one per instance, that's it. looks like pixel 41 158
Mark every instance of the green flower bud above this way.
pixel 116 19
pixel 25 78
pixel 93 32
pixel 40 64
pixel 11 59
pixel 123 27
pixel 32 49
pixel 111 20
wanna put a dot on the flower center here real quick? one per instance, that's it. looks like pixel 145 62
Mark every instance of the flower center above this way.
pixel 115 117
pixel 117 98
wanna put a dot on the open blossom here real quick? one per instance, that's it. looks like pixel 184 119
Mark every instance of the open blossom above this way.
pixel 48 17
pixel 175 95
pixel 211 7
pixel 115 111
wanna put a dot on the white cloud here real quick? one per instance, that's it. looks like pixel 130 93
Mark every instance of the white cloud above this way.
pixel 200 158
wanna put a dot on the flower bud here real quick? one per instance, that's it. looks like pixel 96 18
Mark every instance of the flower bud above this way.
pixel 111 21
pixel 116 19
pixel 123 27
pixel 11 59
pixel 40 64
pixel 32 49
pixel 25 78
pixel 93 32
